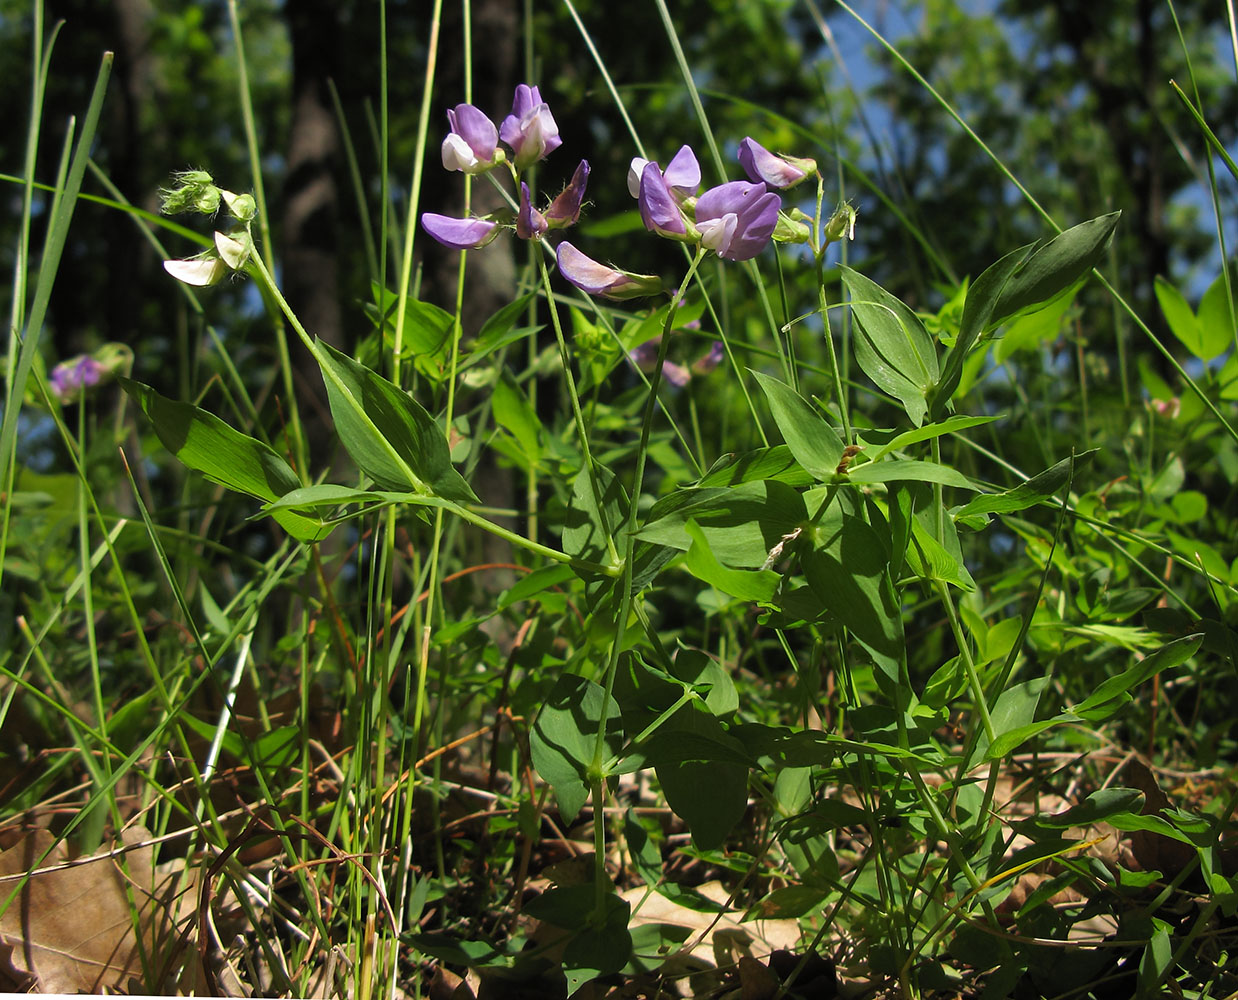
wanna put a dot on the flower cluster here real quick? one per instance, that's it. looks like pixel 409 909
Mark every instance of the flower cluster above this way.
pixel 736 220
pixel 472 147
pixel 195 191
pixel 70 379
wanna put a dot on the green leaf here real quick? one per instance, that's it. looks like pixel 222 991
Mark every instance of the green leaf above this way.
pixel 1100 805
pixel 891 345
pixel 747 585
pixel 201 441
pixel 588 530
pixel 707 788
pixel 1034 328
pixel 812 441
pixel 1216 322
pixel 1037 489
pixel 540 580
pixel 1113 692
pixel 848 572
pixel 950 425
pixel 982 297
pixel 1180 317
pixel 764 463
pixel 933 561
pixel 1054 266
pixel 909 470
pixel 1013 712
pixel 426 331
pixel 1012 739
pixel 598 944
pixel 514 413
pixel 741 523
pixel 564 735
pixel 389 435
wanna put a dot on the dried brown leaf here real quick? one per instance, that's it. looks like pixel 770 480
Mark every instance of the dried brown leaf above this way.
pixel 69 928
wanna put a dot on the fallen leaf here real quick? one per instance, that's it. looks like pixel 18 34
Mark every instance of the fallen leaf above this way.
pixel 70 926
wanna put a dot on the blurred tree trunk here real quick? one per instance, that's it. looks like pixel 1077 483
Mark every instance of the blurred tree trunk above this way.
pixel 310 238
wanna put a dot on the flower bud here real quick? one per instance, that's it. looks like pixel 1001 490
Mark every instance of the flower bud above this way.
pixel 192 191
pixel 564 211
pixel 789 230
pixel 776 171
pixel 841 223
pixel 241 207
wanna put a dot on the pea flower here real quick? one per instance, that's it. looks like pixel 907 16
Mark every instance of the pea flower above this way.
pixel 682 176
pixel 736 220
pixel 530 129
pixel 659 210
pixel 597 279
pixel 564 211
pixel 71 378
pixel 645 357
pixel 530 223
pixel 201 272
pixel 472 144
pixel 776 171
pixel 711 360
pixel 459 234
pixel 231 253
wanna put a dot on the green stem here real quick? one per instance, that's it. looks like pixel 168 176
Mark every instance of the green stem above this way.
pixel 579 417
pixel 823 300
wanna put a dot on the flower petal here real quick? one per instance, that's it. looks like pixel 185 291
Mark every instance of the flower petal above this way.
pixel 762 165
pixel 597 279
pixel 199 271
pixel 530 223
pixel 658 208
pixel 756 214
pixel 683 173
pixel 459 234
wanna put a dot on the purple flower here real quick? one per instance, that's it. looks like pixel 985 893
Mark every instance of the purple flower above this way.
pixel 598 279
pixel 530 129
pixel 459 234
pixel 564 211
pixel 776 171
pixel 69 378
pixel 682 176
pixel 530 223
pixel 704 365
pixel 658 208
pixel 645 357
pixel 737 220
pixel 472 144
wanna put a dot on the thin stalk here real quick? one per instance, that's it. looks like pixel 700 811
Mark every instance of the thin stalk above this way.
pixel 601 882
pixel 265 249
pixel 574 397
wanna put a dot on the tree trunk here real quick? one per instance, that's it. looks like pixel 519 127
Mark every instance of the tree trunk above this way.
pixel 310 219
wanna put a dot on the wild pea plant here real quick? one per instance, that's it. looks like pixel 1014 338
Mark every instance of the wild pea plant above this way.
pixel 856 664
pixel 878 792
